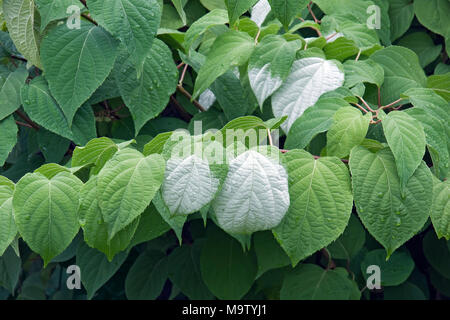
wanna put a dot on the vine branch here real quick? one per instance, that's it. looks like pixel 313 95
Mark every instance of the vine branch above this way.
pixel 27 120
pixel 189 96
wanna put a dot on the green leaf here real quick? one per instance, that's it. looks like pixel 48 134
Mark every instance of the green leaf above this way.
pixel 10 91
pixel 394 271
pixel 10 267
pixel 433 14
pixel 51 10
pixel 96 270
pixel 42 108
pixel 95 230
pixel 184 271
pixel 50 170
pixel 8 138
pixel 126 185
pixel 22 27
pixel 350 242
pixel 269 254
pixel 254 196
pixel 406 138
pixel 45 212
pixel 437 253
pixel 8 229
pixel 286 10
pixel 53 147
pixel 405 291
pixel 311 282
pixel 340 49
pixel 440 211
pixel 348 130
pixel 96 152
pixel 314 120
pixel 156 145
pixel 270 64
pixel 133 22
pixel 309 79
pixel 401 14
pixel 440 83
pixel 236 8
pixel 422 44
pixel 363 71
pixel 227 271
pixel 435 133
pixel 147 276
pixel 179 6
pixel 231 49
pixel 147 96
pixel 321 204
pixel 175 222
pixel 151 226
pixel 402 71
pixel 199 27
pixel 390 217
pixel 86 55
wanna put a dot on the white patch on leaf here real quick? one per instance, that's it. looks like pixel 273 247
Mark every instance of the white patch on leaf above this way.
pixel 188 185
pixel 207 99
pixel 309 79
pixel 263 83
pixel 260 12
pixel 254 196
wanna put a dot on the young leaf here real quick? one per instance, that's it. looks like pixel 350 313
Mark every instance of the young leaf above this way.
pixel 126 185
pixel 21 23
pixel 227 271
pixel 86 55
pixel 147 96
pixel 45 212
pixel 8 229
pixel 270 64
pixel 406 138
pixel 348 130
pixel 133 22
pixel 309 79
pixel 321 204
pixel 254 196
pixel 391 217
pixel 231 49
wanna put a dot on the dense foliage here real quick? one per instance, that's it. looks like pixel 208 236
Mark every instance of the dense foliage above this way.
pixel 94 172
